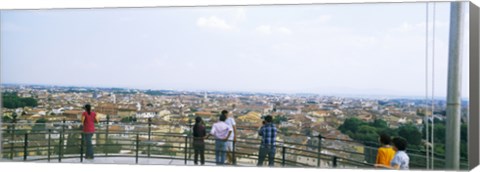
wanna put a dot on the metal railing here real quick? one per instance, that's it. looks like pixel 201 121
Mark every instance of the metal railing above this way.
pixel 60 140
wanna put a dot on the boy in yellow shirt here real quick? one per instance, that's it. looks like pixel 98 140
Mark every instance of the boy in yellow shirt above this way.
pixel 385 152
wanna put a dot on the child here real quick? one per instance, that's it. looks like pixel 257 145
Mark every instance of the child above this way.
pixel 385 153
pixel 401 159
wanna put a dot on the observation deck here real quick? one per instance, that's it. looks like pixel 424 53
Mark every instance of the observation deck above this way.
pixel 145 143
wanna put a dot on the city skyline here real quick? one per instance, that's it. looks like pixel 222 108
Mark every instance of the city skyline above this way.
pixel 319 49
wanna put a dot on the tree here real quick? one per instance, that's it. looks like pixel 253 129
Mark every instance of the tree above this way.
pixel 111 147
pixel 351 124
pixel 73 143
pixel 380 123
pixel 39 125
pixel 12 101
pixel 280 118
pixel 410 133
pixel 129 119
pixel 6 119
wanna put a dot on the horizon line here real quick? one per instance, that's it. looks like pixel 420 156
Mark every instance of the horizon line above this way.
pixel 357 95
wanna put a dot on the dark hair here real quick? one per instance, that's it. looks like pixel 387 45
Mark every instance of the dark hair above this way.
pixel 400 143
pixel 88 108
pixel 223 117
pixel 224 112
pixel 268 118
pixel 198 120
pixel 385 139
pixel 198 123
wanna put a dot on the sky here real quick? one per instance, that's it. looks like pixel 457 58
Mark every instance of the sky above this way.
pixel 336 49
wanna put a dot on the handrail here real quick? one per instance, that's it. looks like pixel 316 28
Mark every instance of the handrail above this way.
pixel 61 130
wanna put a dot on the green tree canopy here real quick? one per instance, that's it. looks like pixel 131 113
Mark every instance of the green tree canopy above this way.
pixel 12 101
pixel 411 133
pixel 351 124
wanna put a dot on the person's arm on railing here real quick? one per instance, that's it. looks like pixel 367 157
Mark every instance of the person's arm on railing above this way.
pixel 212 132
pixel 260 131
pixel 377 161
pixel 83 119
pixel 96 119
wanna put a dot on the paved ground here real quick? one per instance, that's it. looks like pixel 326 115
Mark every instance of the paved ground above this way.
pixel 165 160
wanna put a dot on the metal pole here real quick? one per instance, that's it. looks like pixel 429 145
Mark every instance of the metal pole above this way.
pixel 283 155
pixel 106 137
pixel 60 145
pixel 149 134
pixel 11 140
pixel 25 147
pixel 319 149
pixel 186 147
pixel 81 146
pixel 452 145
pixel 234 159
pixel 136 149
pixel 334 162
pixel 49 140
pixel 426 88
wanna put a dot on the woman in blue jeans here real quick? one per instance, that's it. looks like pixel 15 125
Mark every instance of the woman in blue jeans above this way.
pixel 89 119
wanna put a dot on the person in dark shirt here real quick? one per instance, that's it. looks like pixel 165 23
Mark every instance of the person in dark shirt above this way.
pixel 268 132
pixel 199 134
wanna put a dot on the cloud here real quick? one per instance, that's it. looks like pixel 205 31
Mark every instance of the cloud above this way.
pixel 214 22
pixel 240 14
pixel 284 30
pixel 264 29
pixel 12 27
pixel 322 19
pixel 268 30
pixel 406 27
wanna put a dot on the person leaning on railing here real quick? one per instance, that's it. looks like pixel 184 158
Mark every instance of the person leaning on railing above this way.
pixel 199 134
pixel 89 118
pixel 268 132
pixel 401 159
pixel 221 131
pixel 385 152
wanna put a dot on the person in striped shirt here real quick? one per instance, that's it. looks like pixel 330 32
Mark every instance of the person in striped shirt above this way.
pixel 268 132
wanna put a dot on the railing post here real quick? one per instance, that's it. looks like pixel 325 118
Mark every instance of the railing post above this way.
pixel 136 149
pixel 234 159
pixel 63 127
pixel 106 136
pixel 283 155
pixel 25 147
pixel 149 135
pixel 49 144
pixel 190 135
pixel 62 137
pixel 12 140
pixel 334 161
pixel 60 146
pixel 81 146
pixel 319 149
pixel 186 147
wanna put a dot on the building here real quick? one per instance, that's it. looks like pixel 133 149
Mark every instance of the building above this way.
pixel 107 108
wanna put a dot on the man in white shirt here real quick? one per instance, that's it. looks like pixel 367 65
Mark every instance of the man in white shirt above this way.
pixel 221 131
pixel 233 137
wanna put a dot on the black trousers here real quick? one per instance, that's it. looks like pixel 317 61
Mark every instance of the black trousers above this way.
pixel 199 149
